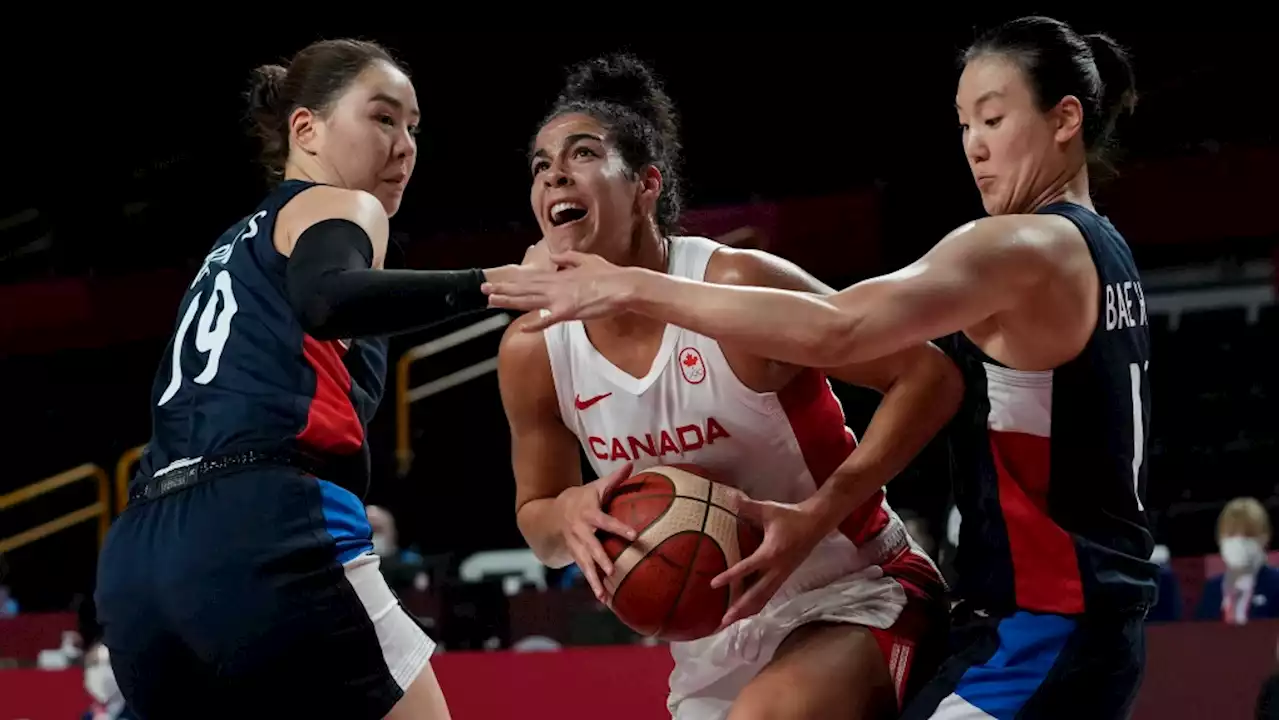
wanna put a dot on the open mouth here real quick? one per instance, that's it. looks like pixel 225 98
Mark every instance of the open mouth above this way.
pixel 564 213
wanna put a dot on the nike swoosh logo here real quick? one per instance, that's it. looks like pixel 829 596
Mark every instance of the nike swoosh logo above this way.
pixel 584 404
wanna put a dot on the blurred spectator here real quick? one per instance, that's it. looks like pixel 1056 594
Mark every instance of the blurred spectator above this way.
pixel 1249 588
pixel 403 569
pixel 8 606
pixel 100 683
pixel 63 656
pixel 1168 607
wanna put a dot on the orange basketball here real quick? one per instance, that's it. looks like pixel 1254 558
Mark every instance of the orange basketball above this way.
pixel 686 534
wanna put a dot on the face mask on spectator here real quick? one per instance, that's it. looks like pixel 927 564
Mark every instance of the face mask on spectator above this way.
pixel 99 681
pixel 1240 552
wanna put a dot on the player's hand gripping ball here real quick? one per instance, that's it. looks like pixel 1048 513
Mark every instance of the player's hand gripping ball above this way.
pixel 686 534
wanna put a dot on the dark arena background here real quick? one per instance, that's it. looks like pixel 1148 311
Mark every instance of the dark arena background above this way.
pixel 837 151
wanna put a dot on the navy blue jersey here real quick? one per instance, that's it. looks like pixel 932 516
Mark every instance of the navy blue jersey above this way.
pixel 1051 471
pixel 240 373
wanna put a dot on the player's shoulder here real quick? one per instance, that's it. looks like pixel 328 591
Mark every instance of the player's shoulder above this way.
pixel 524 366
pixel 1046 234
pixel 325 202
pixel 757 268
pixel 521 348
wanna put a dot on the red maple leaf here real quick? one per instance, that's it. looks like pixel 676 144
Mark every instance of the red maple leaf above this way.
pixel 690 360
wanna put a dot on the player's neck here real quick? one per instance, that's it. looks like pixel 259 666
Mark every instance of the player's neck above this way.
pixel 625 326
pixel 1072 189
pixel 650 251
pixel 309 171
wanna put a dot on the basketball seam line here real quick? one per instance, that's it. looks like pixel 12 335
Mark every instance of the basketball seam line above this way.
pixel 618 590
pixel 688 570
pixel 686 497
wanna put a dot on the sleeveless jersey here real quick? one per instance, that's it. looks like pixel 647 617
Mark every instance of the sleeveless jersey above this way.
pixel 691 408
pixel 240 373
pixel 1050 464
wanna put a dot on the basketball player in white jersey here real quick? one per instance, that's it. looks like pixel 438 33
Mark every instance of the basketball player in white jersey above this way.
pixel 861 618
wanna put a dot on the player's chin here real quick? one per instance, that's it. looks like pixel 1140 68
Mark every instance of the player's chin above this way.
pixel 390 197
pixel 995 205
pixel 576 237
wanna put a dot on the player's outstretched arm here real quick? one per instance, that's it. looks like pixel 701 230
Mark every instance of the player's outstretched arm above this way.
pixel 336 241
pixel 921 390
pixel 977 271
pixel 557 515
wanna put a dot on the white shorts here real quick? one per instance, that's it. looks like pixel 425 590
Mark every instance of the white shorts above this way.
pixel 832 585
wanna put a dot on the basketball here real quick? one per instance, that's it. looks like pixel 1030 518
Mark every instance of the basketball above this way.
pixel 686 534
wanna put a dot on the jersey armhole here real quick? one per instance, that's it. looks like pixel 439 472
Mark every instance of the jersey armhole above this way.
pixel 277 226
pixel 561 370
pixel 700 252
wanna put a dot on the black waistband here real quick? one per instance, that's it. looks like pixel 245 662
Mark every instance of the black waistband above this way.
pixel 180 478
pixel 965 612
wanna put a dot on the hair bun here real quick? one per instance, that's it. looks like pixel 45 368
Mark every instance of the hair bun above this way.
pixel 264 91
pixel 621 79
pixel 1120 93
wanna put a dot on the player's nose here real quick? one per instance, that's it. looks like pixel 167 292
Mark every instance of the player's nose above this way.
pixel 556 176
pixel 975 149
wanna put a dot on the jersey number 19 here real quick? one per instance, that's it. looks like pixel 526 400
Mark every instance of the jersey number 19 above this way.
pixel 212 331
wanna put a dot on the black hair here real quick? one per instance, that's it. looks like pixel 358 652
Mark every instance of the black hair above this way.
pixel 623 94
pixel 1058 62
pixel 315 77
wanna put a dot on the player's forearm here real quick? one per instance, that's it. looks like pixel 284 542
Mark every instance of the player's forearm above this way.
pixel 798 328
pixel 336 294
pixel 540 525
pixel 918 404
pixel 364 302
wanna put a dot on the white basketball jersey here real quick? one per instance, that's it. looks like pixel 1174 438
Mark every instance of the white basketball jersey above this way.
pixel 691 408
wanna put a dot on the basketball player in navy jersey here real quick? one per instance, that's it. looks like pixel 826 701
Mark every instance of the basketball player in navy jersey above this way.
pixel 241 581
pixel 1050 329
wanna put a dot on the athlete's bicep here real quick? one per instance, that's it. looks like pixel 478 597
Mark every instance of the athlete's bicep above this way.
pixel 323 203
pixel 765 270
pixel 755 268
pixel 730 266
pixel 544 453
pixel 977 271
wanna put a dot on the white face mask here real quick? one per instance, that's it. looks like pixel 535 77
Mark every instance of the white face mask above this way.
pixel 99 681
pixel 1239 552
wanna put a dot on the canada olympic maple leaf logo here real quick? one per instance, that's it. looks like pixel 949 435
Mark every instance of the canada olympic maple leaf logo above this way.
pixel 692 366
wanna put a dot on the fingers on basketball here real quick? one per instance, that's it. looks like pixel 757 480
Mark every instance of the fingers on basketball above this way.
pixel 753 600
pixel 587 535
pixel 687 534
pixel 751 511
pixel 745 568
pixel 606 485
pixel 588 568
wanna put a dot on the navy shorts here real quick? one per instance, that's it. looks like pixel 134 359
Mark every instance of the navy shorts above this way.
pixel 1028 666
pixel 254 594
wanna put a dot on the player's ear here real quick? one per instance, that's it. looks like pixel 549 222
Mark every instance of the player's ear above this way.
pixel 305 130
pixel 648 190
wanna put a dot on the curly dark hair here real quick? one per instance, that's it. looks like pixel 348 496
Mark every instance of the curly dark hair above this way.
pixel 622 93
